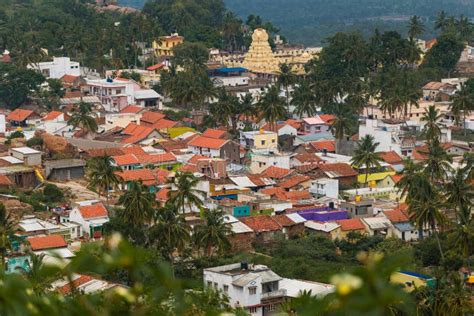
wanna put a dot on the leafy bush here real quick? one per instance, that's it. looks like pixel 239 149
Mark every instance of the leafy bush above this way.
pixel 52 194
pixel 34 141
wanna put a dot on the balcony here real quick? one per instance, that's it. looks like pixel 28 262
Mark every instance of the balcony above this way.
pixel 274 294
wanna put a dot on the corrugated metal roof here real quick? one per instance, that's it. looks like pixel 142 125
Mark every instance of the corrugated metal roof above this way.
pixel 325 227
pixel 240 228
pixel 297 218
pixel 377 222
pixel 245 279
pixel 404 227
pixel 243 182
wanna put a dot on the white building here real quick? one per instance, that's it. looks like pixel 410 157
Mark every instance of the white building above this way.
pixel 260 161
pixel 256 288
pixel 91 216
pixel 57 68
pixel 30 156
pixel 325 187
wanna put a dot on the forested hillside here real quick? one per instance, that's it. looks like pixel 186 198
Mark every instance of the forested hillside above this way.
pixel 311 21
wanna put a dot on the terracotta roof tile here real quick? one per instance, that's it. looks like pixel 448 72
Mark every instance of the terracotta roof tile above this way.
pixel 125 160
pixel 307 158
pixel 272 191
pixel 391 157
pixel 164 123
pixel 157 158
pixel 151 117
pixel 69 78
pixel 5 181
pixel 396 178
pixel 214 133
pixel 52 115
pixel 19 115
pixel 276 172
pixel 338 170
pixel 293 181
pixel 47 242
pixel 295 123
pixel 283 220
pixel 132 109
pixel 321 145
pixel 135 149
pixel 396 216
pixel 81 280
pixel 328 118
pixel 306 168
pixel 155 67
pixel 136 132
pixel 351 224
pixel 194 159
pixel 206 142
pixel 162 195
pixel 147 176
pixel 188 168
pixel 261 223
pixel 295 195
pixel 93 211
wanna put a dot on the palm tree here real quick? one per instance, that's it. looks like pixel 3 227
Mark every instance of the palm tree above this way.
pixel 438 163
pixel 7 229
pixel 184 194
pixel 36 274
pixel 459 193
pixel 410 183
pixel 425 211
pixel 303 100
pixel 463 231
pixel 415 27
pixel 84 118
pixel 138 205
pixel 441 21
pixel 213 233
pixel 101 174
pixel 171 233
pixel 272 106
pixel 431 130
pixel 365 155
pixel 344 120
pixel 286 78
pixel 462 102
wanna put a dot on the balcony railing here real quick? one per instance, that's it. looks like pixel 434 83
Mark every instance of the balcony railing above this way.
pixel 273 294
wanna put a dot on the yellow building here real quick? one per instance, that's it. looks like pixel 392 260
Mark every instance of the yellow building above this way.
pixel 165 44
pixel 411 280
pixel 259 140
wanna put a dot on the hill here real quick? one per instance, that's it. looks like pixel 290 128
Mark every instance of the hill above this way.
pixel 311 21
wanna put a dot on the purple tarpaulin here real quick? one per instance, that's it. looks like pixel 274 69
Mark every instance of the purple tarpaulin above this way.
pixel 325 214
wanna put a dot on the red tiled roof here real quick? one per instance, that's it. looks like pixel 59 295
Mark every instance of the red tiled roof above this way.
pixel 351 224
pixel 19 115
pixel 188 168
pixel 73 94
pixel 391 157
pixel 137 133
pixel 294 195
pixel 151 117
pixel 328 118
pixel 52 115
pixel 206 142
pixel 396 216
pixel 5 58
pixel 194 159
pixel 307 168
pixel 261 223
pixel 283 220
pixel 338 170
pixel 155 67
pixel 162 195
pixel 104 151
pixel 322 145
pixel 276 172
pixel 430 43
pixel 214 133
pixel 293 181
pixel 164 123
pixel 81 280
pixel 272 191
pixel 135 149
pixel 157 158
pixel 47 242
pixel 69 78
pixel 93 211
pixel 295 123
pixel 396 178
pixel 132 109
pixel 5 181
pixel 124 160
pixel 257 180
pixel 308 158
pixel 147 176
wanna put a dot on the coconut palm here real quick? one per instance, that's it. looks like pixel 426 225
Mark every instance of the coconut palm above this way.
pixel 84 118
pixel 463 231
pixel 101 175
pixel 137 205
pixel 171 233
pixel 431 130
pixel 344 120
pixel 286 78
pixel 425 210
pixel 462 104
pixel 441 21
pixel 213 233
pixel 303 100
pixel 7 229
pixel 438 163
pixel 184 195
pixel 272 107
pixel 459 193
pixel 37 275
pixel 365 155
pixel 409 184
pixel 415 27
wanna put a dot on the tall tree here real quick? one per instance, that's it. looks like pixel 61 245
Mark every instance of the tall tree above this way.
pixel 415 27
pixel 431 129
pixel 365 155
pixel 303 100
pixel 286 78
pixel 462 104
pixel 101 175
pixel 7 229
pixel 438 164
pixel 272 107
pixel 344 120
pixel 184 195
pixel 213 234
pixel 138 205
pixel 459 192
pixel 83 117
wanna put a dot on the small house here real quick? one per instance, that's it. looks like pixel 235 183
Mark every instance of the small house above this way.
pixel 30 156
pixel 91 217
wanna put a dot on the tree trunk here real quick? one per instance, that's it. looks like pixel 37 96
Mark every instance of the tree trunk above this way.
pixel 366 176
pixel 287 100
pixel 439 243
pixel 464 124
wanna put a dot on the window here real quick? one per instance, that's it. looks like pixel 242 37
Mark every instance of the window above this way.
pixel 252 290
pixel 273 141
pixel 209 283
pixel 215 285
pixel 226 288
pixel 263 142
pixel 252 310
